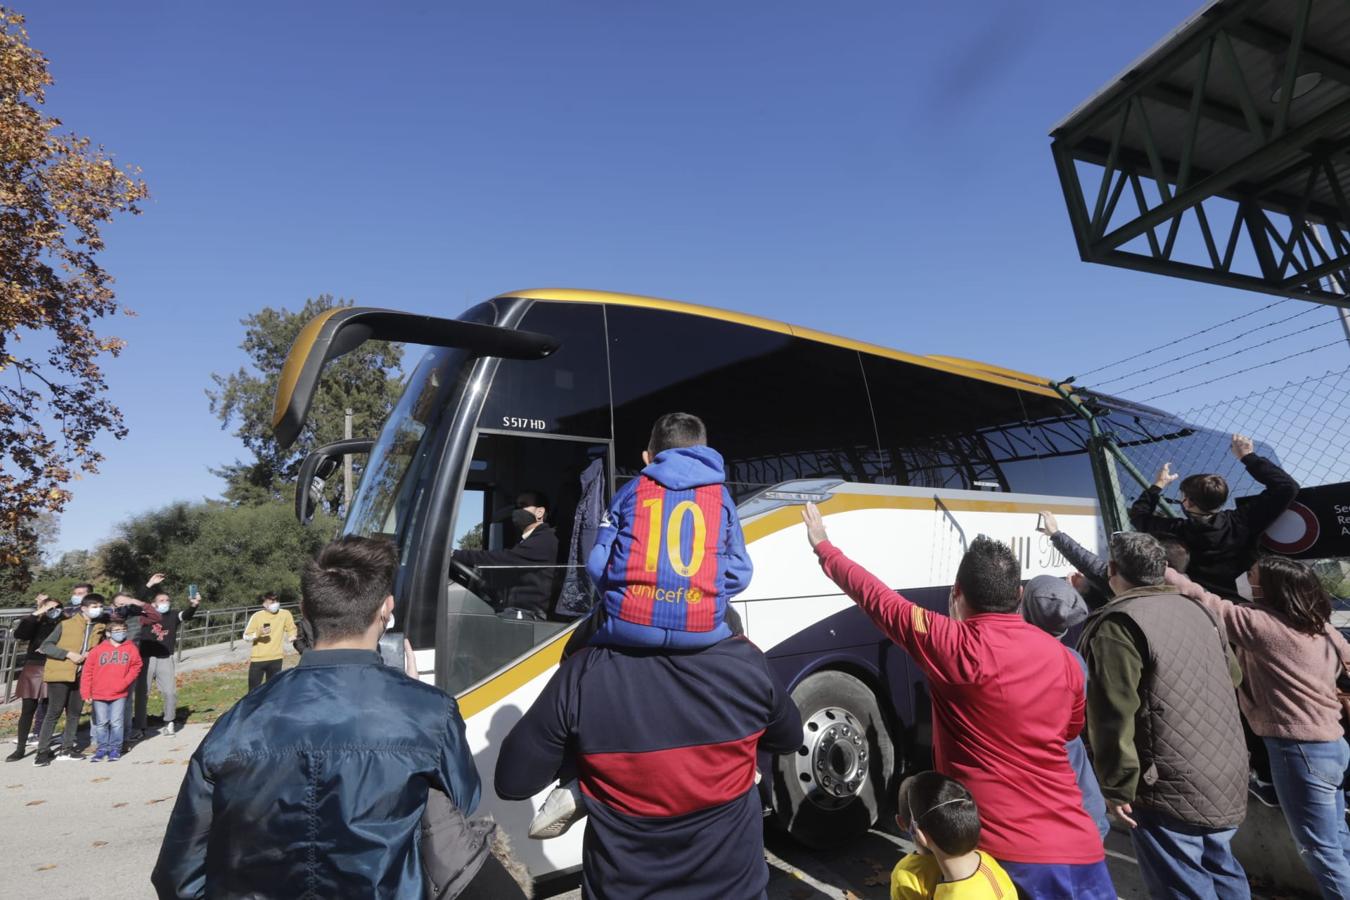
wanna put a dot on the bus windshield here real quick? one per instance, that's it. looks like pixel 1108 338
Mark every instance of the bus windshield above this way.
pixel 389 486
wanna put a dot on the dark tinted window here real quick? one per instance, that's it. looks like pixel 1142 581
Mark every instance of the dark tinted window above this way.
pixel 777 408
pixel 943 430
pixel 567 393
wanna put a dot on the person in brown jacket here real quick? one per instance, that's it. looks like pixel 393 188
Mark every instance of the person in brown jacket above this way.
pixel 1290 656
pixel 65 649
pixel 1162 720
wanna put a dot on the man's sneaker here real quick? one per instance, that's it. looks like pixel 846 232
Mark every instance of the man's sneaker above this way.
pixel 32 738
pixel 43 758
pixel 137 735
pixel 15 756
pixel 560 810
pixel 114 755
pixel 70 756
pixel 1263 791
pixel 99 755
pixel 168 728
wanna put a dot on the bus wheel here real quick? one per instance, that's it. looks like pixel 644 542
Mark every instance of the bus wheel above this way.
pixel 831 789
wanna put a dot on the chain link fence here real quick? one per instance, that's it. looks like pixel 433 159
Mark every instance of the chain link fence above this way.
pixel 1304 425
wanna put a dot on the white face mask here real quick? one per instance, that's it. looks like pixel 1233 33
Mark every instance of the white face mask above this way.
pixel 272 607
pixel 93 611
pixel 162 607
pixel 389 623
pixel 1245 588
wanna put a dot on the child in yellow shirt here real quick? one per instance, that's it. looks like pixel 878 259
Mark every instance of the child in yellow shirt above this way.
pixel 944 822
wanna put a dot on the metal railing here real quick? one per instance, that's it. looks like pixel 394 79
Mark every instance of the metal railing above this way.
pixel 209 627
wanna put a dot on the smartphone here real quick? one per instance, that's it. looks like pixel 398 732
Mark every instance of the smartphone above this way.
pixel 1040 522
pixel 192 591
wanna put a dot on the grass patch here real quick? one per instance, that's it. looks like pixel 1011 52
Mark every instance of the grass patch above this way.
pixel 203 696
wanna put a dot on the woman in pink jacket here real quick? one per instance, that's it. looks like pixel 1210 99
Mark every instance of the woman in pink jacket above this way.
pixel 1290 656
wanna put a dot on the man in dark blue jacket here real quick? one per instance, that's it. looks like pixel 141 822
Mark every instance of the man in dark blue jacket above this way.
pixel 314 785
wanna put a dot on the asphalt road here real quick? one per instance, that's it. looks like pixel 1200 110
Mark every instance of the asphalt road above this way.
pixel 78 830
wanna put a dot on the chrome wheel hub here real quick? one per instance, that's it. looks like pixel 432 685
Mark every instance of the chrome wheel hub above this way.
pixel 831 764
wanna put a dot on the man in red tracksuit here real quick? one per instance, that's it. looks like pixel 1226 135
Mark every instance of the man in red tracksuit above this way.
pixel 109 671
pixel 1007 697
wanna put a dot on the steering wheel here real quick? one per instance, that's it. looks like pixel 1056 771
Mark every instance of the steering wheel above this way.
pixel 468 576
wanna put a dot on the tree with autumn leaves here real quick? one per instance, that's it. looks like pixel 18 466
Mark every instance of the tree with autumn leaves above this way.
pixel 57 190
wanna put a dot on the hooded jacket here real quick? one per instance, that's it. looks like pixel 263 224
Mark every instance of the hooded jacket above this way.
pixel 670 554
pixel 109 670
pixel 1223 544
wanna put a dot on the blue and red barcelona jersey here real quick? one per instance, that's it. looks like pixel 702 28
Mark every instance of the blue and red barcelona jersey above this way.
pixel 670 554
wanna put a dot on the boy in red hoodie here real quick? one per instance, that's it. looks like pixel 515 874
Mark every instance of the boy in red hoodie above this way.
pixel 109 671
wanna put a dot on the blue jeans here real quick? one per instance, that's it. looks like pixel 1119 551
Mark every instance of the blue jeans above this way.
pixel 1308 776
pixel 1187 862
pixel 107 724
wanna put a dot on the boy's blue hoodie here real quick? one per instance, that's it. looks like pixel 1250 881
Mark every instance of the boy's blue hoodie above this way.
pixel 670 554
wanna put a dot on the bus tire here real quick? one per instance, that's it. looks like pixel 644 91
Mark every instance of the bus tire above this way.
pixel 832 788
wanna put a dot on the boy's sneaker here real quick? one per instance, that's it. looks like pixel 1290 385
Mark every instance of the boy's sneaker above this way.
pixel 1263 791
pixel 561 809
pixel 98 756
pixel 114 755
pixel 168 728
pixel 43 758
pixel 15 756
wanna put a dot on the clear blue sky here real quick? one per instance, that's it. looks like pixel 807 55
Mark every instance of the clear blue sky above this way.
pixel 875 169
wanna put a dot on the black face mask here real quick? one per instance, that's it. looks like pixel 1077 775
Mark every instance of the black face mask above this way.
pixel 522 518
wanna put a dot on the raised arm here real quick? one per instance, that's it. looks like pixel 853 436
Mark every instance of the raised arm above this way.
pixel 935 641
pixel 1143 514
pixel 1280 489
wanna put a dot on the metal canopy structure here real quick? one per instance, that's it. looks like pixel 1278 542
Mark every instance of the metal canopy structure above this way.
pixel 1223 154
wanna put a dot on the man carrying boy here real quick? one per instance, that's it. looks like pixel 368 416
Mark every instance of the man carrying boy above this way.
pixel 267 630
pixel 665 710
pixel 111 668
pixel 66 648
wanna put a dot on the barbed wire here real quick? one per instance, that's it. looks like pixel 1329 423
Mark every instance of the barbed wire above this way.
pixel 1187 337
pixel 1311 308
pixel 1244 371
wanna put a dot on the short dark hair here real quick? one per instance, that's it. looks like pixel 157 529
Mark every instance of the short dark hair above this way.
pixel 342 588
pixel 1139 558
pixel 1207 492
pixel 90 599
pixel 532 498
pixel 83 584
pixel 267 595
pixel 945 811
pixel 1293 588
pixel 677 430
pixel 989 576
pixel 157 594
pixel 1178 556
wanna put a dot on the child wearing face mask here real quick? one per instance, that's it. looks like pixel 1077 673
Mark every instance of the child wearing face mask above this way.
pixel 267 631
pixel 109 671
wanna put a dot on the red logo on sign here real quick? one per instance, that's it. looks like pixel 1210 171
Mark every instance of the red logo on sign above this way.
pixel 1295 531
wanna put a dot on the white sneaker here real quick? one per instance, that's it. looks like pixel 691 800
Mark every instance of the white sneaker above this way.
pixel 561 809
pixel 168 729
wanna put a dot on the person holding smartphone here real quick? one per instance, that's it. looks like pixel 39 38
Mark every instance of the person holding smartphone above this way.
pixel 268 630
pixel 154 623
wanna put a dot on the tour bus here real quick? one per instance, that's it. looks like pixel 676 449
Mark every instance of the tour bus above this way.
pixel 555 391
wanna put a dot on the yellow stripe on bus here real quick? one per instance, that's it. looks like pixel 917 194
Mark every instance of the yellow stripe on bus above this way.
pixel 517 676
pixel 779 519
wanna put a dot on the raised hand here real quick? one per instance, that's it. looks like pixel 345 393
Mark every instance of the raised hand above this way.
pixel 815 525
pixel 1242 446
pixel 1049 525
pixel 155 579
pixel 1165 476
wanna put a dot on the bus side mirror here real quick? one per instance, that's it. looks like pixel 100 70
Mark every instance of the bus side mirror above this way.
pixel 317 468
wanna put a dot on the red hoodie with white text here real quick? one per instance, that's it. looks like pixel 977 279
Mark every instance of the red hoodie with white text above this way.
pixel 109 670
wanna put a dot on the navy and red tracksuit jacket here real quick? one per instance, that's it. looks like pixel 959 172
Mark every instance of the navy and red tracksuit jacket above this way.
pixel 669 554
pixel 665 744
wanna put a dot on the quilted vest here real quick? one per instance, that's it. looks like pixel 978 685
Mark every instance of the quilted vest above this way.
pixel 78 635
pixel 1192 756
